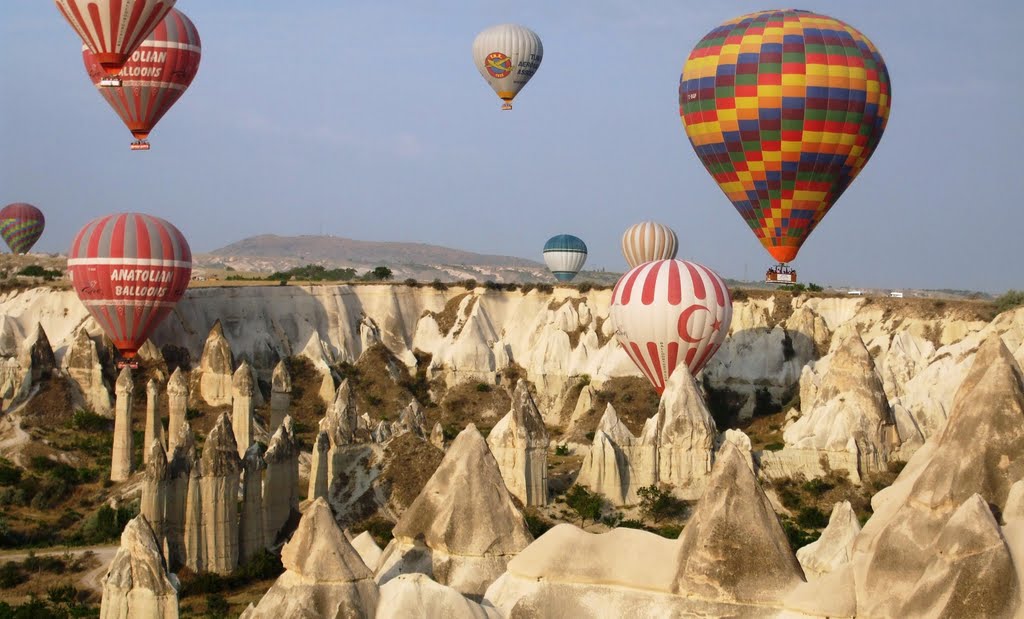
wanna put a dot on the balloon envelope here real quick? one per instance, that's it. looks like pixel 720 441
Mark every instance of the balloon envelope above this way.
pixel 565 254
pixel 507 56
pixel 21 225
pixel 129 270
pixel 157 75
pixel 784 109
pixel 647 241
pixel 113 29
pixel 669 314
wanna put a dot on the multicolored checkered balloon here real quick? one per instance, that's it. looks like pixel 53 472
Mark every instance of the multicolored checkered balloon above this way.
pixel 784 108
pixel 21 225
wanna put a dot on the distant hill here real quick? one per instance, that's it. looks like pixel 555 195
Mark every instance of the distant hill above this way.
pixel 316 249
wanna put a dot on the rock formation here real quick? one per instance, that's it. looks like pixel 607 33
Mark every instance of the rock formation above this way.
pixel 82 363
pixel 242 388
pixel 137 584
pixel 368 549
pixel 410 419
pixel 280 395
pixel 324 575
pixel 121 457
pixel 154 427
pixel 177 406
pixel 37 357
pixel 179 471
pixel 251 528
pixel 606 466
pixel 318 481
pixel 221 471
pixel 733 523
pixel 280 483
pixel 980 451
pixel 216 367
pixel 463 527
pixel 519 443
pixel 415 595
pixel 156 491
pixel 194 538
pixel 834 548
pixel 437 436
pixel 849 414
pixel 742 442
pixel 686 436
pixel 327 390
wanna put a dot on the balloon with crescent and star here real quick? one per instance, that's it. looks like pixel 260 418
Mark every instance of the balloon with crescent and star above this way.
pixel 669 314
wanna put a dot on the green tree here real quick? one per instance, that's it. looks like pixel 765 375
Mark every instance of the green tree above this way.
pixel 587 505
pixel 658 503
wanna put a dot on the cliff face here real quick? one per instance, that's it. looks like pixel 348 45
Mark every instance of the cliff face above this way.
pixel 920 352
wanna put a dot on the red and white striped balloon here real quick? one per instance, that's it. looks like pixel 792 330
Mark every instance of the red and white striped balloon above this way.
pixel 129 270
pixel 647 241
pixel 670 313
pixel 113 29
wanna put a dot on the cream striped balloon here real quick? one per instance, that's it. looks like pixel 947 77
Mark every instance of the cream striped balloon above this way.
pixel 507 56
pixel 647 241
pixel 668 314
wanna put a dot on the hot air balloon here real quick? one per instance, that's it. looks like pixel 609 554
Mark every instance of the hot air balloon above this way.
pixel 157 75
pixel 565 255
pixel 507 56
pixel 21 225
pixel 784 108
pixel 669 314
pixel 647 241
pixel 129 270
pixel 113 29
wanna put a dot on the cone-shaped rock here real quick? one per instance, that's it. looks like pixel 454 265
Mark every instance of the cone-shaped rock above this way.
pixel 280 483
pixel 733 549
pixel 38 355
pixel 463 527
pixel 318 470
pixel 154 428
pixel 685 436
pixel 971 574
pixel 251 528
pixel 437 436
pixel 280 395
pixel 82 362
pixel 835 546
pixel 177 405
pixel 137 583
pixel 179 470
pixel 216 367
pixel 519 443
pixel 606 467
pixel 368 549
pixel 324 575
pixel 221 470
pixel 850 404
pixel 155 490
pixel 242 389
pixel 980 451
pixel 121 456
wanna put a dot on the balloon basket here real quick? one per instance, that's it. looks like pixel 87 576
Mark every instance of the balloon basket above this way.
pixel 506 106
pixel 140 145
pixel 110 82
pixel 780 274
pixel 127 363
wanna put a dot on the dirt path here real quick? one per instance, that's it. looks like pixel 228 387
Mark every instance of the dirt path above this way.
pixel 90 580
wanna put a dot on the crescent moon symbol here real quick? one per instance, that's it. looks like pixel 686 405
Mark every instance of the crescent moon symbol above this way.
pixel 684 318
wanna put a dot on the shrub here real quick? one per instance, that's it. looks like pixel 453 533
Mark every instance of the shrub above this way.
pixel 632 524
pixel 35 270
pixel 483 388
pixel 561 450
pixel 537 524
pixel 1009 300
pixel 658 503
pixel 587 505
pixel 814 287
pixel 585 287
pixel 88 421
pixel 438 285
pixel 774 446
pixel 491 285
pixel 789 497
pixel 261 566
pixel 468 284
pixel 11 575
pixel 412 283
pixel 738 295
pixel 817 486
pixel 812 518
pixel 798 538
pixel 545 288
pixel 671 531
pixel 10 475
pixel 217 607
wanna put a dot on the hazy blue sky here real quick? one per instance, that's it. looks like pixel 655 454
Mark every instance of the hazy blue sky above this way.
pixel 368 120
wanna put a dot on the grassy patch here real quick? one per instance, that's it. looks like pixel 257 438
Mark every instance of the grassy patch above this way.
pixel 411 462
pixel 634 399
pixel 446 318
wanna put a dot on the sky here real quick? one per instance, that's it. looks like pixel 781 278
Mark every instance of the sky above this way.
pixel 368 120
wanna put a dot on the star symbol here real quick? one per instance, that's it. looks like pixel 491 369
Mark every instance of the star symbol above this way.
pixel 717 326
